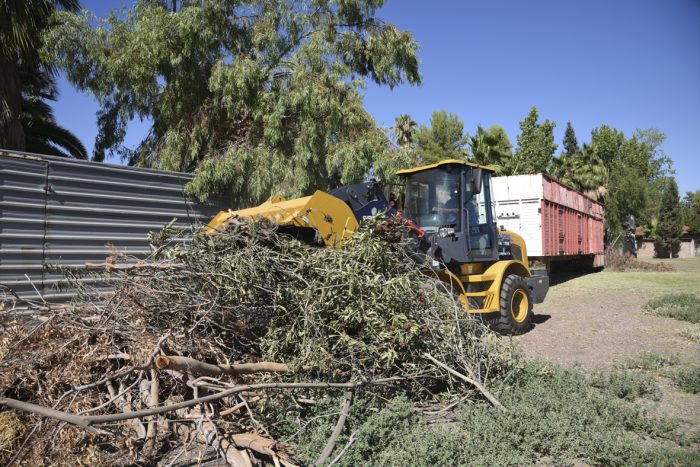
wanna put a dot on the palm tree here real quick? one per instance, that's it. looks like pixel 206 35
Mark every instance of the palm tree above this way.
pixel 563 168
pixel 26 120
pixel 583 171
pixel 41 132
pixel 490 147
pixel 404 130
pixel 591 174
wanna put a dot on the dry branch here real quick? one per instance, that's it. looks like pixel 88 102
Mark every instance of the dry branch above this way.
pixel 235 297
pixel 480 387
pixel 126 408
pixel 208 434
pixel 261 445
pixel 194 366
pixel 84 421
pixel 330 444
pixel 109 267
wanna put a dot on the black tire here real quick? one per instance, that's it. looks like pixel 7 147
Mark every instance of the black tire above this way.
pixel 515 316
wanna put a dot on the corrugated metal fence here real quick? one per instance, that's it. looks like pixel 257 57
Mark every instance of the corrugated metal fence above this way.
pixel 67 212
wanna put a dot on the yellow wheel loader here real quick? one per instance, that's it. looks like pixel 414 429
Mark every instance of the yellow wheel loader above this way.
pixel 449 208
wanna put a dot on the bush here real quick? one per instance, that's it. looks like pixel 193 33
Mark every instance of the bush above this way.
pixel 688 380
pixel 626 385
pixel 685 307
pixel 650 362
pixel 692 332
pixel 554 416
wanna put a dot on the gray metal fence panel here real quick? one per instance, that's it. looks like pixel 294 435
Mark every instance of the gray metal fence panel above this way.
pixel 22 206
pixel 67 212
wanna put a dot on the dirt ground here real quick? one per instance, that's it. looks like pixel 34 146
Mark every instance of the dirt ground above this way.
pixel 596 321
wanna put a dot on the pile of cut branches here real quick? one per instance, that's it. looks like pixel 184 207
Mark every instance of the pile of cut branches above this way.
pixel 619 262
pixel 203 341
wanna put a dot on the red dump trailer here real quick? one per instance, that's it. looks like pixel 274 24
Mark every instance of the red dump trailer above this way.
pixel 558 223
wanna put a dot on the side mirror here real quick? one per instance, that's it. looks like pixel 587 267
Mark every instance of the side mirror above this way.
pixel 477 180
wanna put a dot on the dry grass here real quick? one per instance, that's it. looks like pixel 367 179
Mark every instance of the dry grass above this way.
pixel 691 332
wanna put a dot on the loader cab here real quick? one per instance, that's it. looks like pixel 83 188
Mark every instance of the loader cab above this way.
pixel 452 202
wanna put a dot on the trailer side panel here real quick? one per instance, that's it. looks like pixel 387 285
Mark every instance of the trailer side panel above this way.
pixel 556 221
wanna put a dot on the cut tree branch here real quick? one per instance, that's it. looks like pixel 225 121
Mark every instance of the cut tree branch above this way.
pixel 194 366
pixel 330 444
pixel 480 387
pixel 87 421
pixel 109 267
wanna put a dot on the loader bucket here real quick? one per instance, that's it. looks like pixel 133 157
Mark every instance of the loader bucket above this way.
pixel 328 215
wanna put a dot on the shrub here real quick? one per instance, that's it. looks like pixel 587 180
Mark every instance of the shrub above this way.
pixel 688 380
pixel 626 385
pixel 691 332
pixel 554 415
pixel 650 362
pixel 685 307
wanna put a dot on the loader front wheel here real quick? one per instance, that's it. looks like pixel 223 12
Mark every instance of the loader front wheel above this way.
pixel 515 316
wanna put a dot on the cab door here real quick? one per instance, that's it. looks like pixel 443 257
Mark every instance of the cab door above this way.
pixel 482 238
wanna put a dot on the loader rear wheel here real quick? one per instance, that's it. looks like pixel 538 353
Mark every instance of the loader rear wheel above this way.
pixel 515 316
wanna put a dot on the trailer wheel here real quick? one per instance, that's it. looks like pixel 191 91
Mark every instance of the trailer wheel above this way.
pixel 515 316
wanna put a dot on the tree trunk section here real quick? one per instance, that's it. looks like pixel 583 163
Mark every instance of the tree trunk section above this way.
pixel 11 131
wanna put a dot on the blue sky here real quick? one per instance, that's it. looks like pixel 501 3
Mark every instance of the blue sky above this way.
pixel 627 63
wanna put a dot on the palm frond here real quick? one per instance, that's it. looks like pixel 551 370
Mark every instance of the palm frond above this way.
pixel 42 131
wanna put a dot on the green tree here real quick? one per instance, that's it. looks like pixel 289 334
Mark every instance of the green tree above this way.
pixel 443 139
pixel 402 156
pixel 579 169
pixel 670 225
pixel 27 82
pixel 590 174
pixel 633 171
pixel 606 145
pixel 571 147
pixel 491 147
pixel 625 197
pixel 536 145
pixel 643 151
pixel 255 96
pixel 691 211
